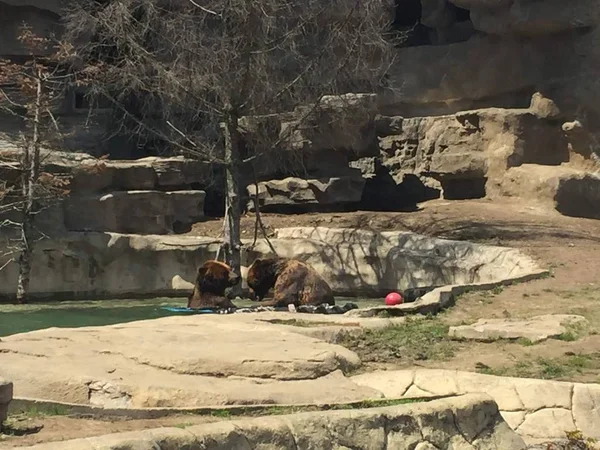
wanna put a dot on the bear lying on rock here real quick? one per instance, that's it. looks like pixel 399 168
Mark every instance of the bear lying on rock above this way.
pixel 294 282
pixel 212 280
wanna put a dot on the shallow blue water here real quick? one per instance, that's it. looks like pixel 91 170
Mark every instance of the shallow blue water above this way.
pixel 74 314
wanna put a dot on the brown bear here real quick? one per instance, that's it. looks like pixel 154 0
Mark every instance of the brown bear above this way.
pixel 294 282
pixel 209 289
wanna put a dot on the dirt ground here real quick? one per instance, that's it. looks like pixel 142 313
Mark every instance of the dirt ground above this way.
pixel 568 247
pixel 60 428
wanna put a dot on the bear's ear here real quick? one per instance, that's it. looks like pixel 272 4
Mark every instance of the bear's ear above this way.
pixel 202 271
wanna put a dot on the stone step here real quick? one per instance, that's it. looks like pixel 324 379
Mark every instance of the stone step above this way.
pixel 571 191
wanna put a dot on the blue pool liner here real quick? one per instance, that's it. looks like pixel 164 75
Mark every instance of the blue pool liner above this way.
pixel 183 309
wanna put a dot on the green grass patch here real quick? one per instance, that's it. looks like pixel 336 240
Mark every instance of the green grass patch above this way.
pixel 415 339
pixel 23 422
pixel 365 404
pixel 498 290
pixel 525 342
pixel 548 368
pixel 574 332
pixel 20 423
pixel 277 410
pixel 35 411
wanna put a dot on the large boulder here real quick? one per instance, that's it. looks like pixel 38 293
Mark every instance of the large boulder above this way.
pixel 536 329
pixel 179 361
pixel 299 193
pixel 571 191
pixel 341 123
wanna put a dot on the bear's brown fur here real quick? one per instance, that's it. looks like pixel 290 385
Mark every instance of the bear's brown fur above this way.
pixel 209 289
pixel 294 282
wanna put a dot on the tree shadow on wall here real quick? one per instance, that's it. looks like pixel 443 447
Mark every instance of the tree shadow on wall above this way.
pixel 359 248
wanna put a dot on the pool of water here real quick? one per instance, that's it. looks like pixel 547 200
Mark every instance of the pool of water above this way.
pixel 22 318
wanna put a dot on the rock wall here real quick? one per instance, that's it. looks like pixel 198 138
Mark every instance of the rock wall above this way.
pixel 354 262
pixel 406 160
pixel 535 409
pixel 146 196
pixel 439 424
pixel 488 87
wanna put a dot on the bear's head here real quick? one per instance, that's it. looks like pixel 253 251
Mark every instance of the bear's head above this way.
pixel 214 277
pixel 262 275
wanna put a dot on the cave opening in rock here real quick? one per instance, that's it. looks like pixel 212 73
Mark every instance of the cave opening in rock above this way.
pixel 464 189
pixel 416 25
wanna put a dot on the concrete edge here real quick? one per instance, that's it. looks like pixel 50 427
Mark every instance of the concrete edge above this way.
pixel 442 297
pixel 21 404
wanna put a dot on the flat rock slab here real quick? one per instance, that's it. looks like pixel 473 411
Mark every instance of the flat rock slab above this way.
pixel 461 423
pixel 6 395
pixel 536 409
pixel 536 329
pixel 179 362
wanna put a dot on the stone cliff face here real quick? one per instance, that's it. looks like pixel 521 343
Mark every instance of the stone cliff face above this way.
pixel 479 89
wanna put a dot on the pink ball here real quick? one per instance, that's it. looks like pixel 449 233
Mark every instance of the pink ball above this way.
pixel 393 299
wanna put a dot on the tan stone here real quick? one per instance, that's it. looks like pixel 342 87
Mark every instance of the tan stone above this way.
pixel 571 191
pixel 416 392
pixel 549 423
pixel 6 395
pixel 535 408
pixel 536 329
pixel 538 394
pixel 543 106
pixel 170 438
pixel 169 362
pixel 425 446
pixel 393 384
pixel 513 418
pixel 586 408
pixel 501 389
pixel 436 382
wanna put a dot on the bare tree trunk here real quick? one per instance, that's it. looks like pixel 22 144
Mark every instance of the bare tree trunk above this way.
pixel 231 239
pixel 31 165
